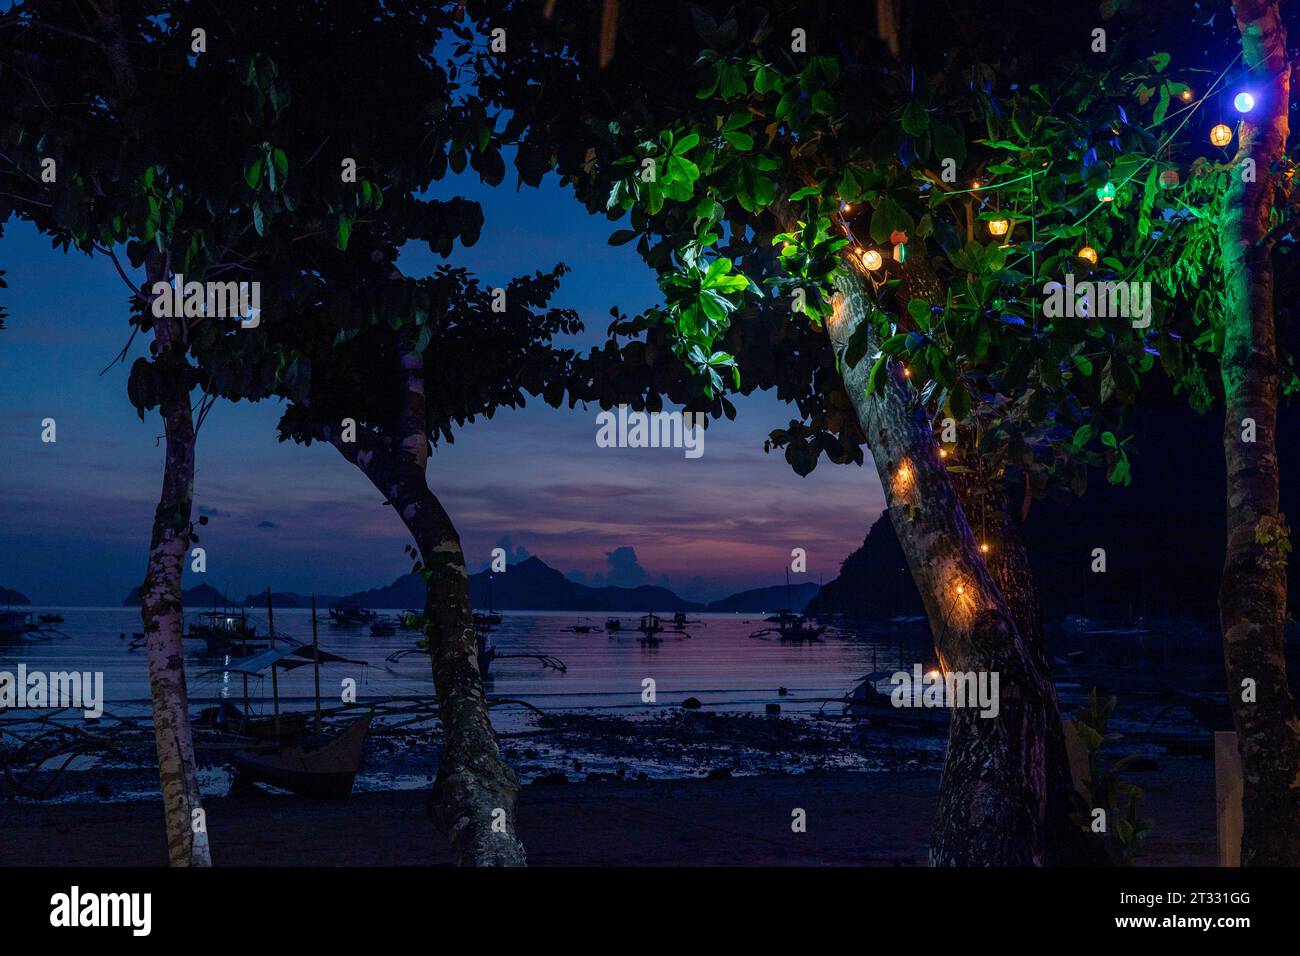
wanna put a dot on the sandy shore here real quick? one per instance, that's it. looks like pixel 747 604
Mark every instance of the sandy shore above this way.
pixel 853 819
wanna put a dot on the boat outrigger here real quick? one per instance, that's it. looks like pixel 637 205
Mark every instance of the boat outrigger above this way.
pixel 292 750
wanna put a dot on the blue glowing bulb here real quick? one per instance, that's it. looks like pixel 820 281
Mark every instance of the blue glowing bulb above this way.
pixel 1244 102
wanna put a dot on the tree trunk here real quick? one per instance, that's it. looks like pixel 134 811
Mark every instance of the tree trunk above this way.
pixel 994 797
pixel 987 503
pixel 474 795
pixel 1252 594
pixel 160 609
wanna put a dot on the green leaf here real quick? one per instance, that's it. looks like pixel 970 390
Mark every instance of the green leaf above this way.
pixel 685 144
pixel 741 141
pixel 344 231
pixel 915 119
pixel 253 174
pixel 919 310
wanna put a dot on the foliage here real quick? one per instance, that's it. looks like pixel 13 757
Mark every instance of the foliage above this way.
pixel 1125 830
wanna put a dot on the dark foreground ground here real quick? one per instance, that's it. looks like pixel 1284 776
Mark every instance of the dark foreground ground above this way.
pixel 853 819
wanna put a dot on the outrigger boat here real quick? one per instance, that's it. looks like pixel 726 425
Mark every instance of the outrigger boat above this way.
pixel 292 750
pixel 613 624
pixel 227 633
pixel 350 616
pixel 789 625
pixel 792 627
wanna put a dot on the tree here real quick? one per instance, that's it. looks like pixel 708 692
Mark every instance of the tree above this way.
pixel 421 359
pixel 790 138
pixel 291 155
pixel 1252 595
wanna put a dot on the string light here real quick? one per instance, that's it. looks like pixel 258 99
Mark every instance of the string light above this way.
pixel 961 589
pixel 1169 178
pixel 984 547
pixel 943 453
pixel 1221 135
pixel 1186 95
pixel 1243 102
pixel 872 259
pixel 1088 253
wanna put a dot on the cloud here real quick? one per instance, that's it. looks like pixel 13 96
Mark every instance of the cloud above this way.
pixel 624 569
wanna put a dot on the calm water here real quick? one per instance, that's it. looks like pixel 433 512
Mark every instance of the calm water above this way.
pixel 720 664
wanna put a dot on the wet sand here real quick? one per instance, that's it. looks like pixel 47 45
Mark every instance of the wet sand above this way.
pixel 853 819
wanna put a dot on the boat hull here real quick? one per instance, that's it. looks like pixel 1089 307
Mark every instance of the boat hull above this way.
pixel 326 772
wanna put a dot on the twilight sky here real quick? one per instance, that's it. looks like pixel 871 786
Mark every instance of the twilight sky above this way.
pixel 75 515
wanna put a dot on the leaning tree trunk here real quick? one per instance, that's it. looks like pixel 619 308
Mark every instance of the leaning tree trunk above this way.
pixel 474 795
pixel 1252 594
pixel 160 609
pixel 994 796
pixel 986 502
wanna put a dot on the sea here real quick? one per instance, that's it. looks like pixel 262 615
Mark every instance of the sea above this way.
pixel 571 697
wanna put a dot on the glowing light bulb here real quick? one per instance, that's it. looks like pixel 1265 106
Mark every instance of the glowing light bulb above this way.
pixel 1221 135
pixel 961 589
pixel 1088 253
pixel 943 453
pixel 1185 96
pixel 999 227
pixel 984 547
pixel 1243 102
pixel 872 259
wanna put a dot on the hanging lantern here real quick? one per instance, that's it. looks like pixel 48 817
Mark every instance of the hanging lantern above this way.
pixel 1221 135
pixel 1243 102
pixel 872 259
pixel 999 227
pixel 1169 178
pixel 1088 253
pixel 1106 193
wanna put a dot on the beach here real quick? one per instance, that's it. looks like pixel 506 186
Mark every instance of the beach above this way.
pixel 853 819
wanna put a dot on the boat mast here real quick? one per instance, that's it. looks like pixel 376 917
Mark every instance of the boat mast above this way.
pixel 275 681
pixel 315 657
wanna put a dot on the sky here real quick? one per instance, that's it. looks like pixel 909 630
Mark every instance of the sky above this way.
pixel 75 514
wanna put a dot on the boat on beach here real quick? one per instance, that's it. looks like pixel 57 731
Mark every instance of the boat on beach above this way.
pixel 290 750
pixel 316 765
